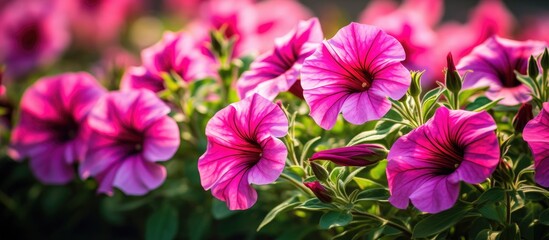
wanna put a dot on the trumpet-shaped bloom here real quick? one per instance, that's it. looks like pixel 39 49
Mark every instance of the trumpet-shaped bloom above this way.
pixel 493 64
pixel 32 33
pixel 243 149
pixel 130 132
pixel 427 164
pixel 536 133
pixel 174 54
pixel 278 70
pixel 354 73
pixel 50 131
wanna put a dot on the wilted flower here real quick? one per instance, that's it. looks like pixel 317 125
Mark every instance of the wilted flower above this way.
pixel 50 131
pixel 536 133
pixel 524 115
pixel 279 69
pixel 493 64
pixel 130 132
pixel 174 54
pixel 354 73
pixel 357 155
pixel 243 148
pixel 320 191
pixel 32 33
pixel 427 164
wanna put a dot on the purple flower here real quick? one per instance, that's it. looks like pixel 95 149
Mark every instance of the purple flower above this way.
pixel 32 33
pixel 129 132
pixel 320 191
pixel 243 148
pixel 427 164
pixel 278 70
pixel 50 131
pixel 354 73
pixel 536 133
pixel 493 64
pixel 174 54
pixel 357 155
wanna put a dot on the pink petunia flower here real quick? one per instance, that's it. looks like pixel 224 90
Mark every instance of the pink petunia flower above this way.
pixel 354 73
pixel 98 22
pixel 32 34
pixel 278 70
pixel 174 54
pixel 427 164
pixel 50 131
pixel 536 133
pixel 130 132
pixel 493 64
pixel 243 149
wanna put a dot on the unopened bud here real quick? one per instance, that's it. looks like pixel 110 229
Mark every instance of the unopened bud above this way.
pixel 320 191
pixel 544 62
pixel 320 172
pixel 453 80
pixel 533 70
pixel 357 155
pixel 524 115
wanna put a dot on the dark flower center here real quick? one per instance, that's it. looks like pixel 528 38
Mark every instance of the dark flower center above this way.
pixel 508 77
pixel 91 4
pixel 132 140
pixel 29 37
pixel 67 131
pixel 366 79
pixel 451 157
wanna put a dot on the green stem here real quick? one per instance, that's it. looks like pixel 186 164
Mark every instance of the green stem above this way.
pixel 419 108
pixel 384 221
pixel 297 184
pixel 508 208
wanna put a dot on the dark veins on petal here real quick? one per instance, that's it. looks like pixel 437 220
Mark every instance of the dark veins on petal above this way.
pixel 447 154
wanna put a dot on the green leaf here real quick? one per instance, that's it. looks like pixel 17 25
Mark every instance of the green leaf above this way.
pixel 297 170
pixel 290 203
pixel 544 217
pixel 483 235
pixel 490 196
pixel 220 210
pixel 493 211
pixel 526 80
pixel 335 219
pixel 364 183
pixel 306 148
pixel 482 103
pixel 336 174
pixel 465 94
pixel 380 133
pixel 162 223
pixel 314 204
pixel 198 224
pixel 374 194
pixel 439 222
pixel 511 232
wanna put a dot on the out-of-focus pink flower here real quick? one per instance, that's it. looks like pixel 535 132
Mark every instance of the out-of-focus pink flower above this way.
pixel 50 131
pixel 354 73
pixel 254 25
pixel 175 54
pixel 2 87
pixel 32 33
pixel 491 17
pixel 493 64
pixel 535 28
pixel 320 191
pixel 536 133
pixel 97 22
pixel 130 132
pixel 427 164
pixel 190 8
pixel 243 149
pixel 279 69
pixel 357 155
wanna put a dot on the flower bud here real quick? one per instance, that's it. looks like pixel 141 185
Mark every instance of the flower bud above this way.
pixel 453 80
pixel 415 86
pixel 524 115
pixel 533 70
pixel 320 172
pixel 357 155
pixel 320 191
pixel 544 62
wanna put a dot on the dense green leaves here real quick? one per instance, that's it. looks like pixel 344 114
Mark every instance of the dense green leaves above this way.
pixel 162 224
pixel 439 222
pixel 335 219
pixel 288 204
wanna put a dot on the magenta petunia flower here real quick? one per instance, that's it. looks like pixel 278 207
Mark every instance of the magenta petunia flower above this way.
pixel 493 64
pixel 536 133
pixel 32 34
pixel 354 73
pixel 243 149
pixel 50 131
pixel 130 132
pixel 97 22
pixel 427 164
pixel 278 70
pixel 174 54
